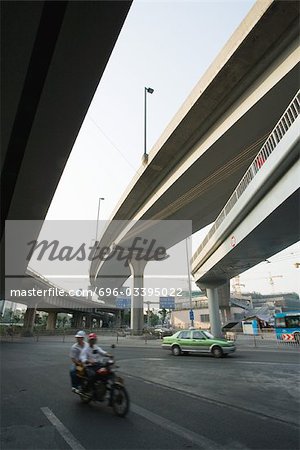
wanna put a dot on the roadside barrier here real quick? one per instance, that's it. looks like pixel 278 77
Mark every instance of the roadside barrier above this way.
pixel 265 338
pixel 67 334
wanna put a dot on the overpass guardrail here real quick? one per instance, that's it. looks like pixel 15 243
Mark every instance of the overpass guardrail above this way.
pixel 280 129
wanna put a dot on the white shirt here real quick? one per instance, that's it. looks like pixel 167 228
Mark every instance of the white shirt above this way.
pixel 76 350
pixel 93 354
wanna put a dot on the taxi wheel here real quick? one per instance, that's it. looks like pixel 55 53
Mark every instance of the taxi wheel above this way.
pixel 176 350
pixel 217 352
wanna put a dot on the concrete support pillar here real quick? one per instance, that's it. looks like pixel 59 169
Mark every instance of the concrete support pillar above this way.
pixel 88 321
pixel 227 315
pixel 51 320
pixel 214 311
pixel 77 320
pixel 29 322
pixel 118 319
pixel 137 300
pixel 224 301
pixel 221 311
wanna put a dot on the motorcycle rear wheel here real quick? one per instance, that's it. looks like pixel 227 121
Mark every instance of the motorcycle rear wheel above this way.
pixel 120 401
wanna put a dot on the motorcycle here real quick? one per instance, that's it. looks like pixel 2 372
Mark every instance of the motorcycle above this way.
pixel 104 385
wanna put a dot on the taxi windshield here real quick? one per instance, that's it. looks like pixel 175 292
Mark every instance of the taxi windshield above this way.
pixel 208 335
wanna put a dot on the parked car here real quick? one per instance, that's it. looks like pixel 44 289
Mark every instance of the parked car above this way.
pixel 197 341
pixel 162 331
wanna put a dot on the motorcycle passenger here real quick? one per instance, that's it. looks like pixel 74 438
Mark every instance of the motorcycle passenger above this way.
pixel 92 356
pixel 75 355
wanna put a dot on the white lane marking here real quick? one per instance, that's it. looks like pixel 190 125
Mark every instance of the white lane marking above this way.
pixel 153 359
pixel 63 431
pixel 199 440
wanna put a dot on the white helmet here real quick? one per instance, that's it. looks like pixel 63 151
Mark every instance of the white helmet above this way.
pixel 80 334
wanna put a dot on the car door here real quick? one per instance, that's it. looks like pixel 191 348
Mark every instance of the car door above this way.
pixel 199 342
pixel 184 340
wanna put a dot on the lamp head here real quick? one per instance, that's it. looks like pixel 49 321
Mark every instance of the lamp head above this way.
pixel 150 90
pixel 145 158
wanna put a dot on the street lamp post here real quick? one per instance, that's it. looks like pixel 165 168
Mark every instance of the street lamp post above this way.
pixel 145 155
pixel 99 201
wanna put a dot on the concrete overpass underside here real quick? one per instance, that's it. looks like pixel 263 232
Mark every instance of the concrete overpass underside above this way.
pixel 207 147
pixel 260 219
pixel 53 57
pixel 39 294
pixel 278 231
pixel 201 191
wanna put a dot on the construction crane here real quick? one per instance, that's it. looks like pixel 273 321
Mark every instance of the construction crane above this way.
pixel 271 280
pixel 237 285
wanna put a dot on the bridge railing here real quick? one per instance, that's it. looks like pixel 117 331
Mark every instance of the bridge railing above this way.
pixel 280 129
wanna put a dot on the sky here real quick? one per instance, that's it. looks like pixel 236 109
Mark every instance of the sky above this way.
pixel 168 46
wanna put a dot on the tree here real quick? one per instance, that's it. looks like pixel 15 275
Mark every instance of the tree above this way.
pixel 163 313
pixel 16 318
pixel 7 316
pixel 153 319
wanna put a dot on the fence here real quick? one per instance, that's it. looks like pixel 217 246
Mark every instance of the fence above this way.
pixel 266 338
pixel 14 334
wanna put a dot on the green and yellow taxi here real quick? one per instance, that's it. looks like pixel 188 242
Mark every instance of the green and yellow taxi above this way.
pixel 197 341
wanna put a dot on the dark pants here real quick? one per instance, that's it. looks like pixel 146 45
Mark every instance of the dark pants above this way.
pixel 75 380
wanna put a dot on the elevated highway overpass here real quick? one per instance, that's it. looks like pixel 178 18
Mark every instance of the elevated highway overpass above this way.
pixel 40 294
pixel 204 152
pixel 53 57
pixel 261 217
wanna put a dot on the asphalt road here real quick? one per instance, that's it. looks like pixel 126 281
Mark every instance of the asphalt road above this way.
pixel 249 400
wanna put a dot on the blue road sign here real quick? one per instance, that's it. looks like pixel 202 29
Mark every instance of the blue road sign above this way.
pixel 167 302
pixel 191 314
pixel 123 302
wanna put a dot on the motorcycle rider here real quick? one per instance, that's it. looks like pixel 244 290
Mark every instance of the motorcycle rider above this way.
pixel 92 356
pixel 75 355
pixel 92 353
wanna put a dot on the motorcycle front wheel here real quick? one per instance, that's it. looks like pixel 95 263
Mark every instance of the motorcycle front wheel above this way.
pixel 120 401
